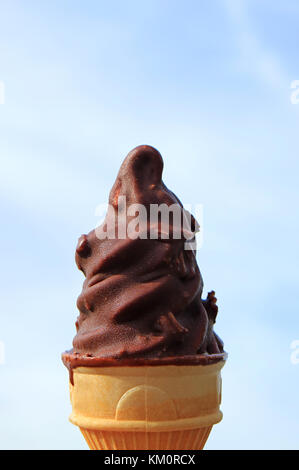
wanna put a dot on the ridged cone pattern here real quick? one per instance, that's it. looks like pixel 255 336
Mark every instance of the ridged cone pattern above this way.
pixel 192 439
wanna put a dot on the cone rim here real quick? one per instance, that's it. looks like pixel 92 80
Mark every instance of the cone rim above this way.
pixel 101 424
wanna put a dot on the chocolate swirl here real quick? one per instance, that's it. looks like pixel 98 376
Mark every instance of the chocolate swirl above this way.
pixel 141 298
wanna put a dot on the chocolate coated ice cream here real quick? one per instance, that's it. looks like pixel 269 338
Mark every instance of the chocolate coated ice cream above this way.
pixel 141 298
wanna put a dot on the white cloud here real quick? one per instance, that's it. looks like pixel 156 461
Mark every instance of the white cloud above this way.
pixel 256 57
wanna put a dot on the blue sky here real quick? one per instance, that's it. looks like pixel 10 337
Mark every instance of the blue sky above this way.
pixel 208 84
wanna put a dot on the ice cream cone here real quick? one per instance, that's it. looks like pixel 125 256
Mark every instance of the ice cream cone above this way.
pixel 168 407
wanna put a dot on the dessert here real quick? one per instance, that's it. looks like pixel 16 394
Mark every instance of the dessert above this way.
pixel 145 364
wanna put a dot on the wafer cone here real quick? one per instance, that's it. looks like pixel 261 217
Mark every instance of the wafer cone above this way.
pixel 168 407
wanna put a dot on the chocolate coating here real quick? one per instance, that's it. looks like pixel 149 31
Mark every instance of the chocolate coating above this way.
pixel 141 298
